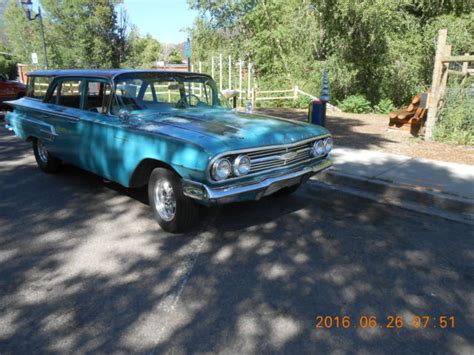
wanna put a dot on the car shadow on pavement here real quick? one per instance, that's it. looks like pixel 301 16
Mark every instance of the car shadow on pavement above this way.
pixel 84 267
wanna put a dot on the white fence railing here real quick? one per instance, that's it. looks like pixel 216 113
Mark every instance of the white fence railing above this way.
pixel 296 92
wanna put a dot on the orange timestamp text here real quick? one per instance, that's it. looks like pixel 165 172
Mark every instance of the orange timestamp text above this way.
pixel 389 322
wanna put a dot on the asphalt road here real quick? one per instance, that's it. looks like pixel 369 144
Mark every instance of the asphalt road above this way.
pixel 84 267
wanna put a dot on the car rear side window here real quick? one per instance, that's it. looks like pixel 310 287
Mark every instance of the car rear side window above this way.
pixel 38 86
pixel 70 93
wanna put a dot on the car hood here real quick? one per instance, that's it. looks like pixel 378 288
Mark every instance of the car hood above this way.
pixel 224 130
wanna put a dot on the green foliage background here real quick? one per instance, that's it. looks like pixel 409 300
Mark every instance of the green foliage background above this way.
pixel 379 49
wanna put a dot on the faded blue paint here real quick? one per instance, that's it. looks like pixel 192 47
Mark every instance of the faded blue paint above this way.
pixel 186 139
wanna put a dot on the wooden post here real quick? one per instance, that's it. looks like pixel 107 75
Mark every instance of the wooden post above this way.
pixel 435 84
pixel 295 94
pixel 230 72
pixel 444 78
pixel 254 94
pixel 200 67
pixel 249 68
pixel 464 72
pixel 212 67
pixel 240 82
pixel 220 71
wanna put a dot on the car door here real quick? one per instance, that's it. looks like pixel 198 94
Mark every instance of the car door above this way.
pixel 63 112
pixel 99 129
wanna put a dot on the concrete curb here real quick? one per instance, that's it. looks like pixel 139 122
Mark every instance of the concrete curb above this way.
pixel 419 199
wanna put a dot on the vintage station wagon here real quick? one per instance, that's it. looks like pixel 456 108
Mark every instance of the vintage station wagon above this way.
pixel 172 131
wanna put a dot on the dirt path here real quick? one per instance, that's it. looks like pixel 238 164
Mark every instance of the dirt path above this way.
pixel 371 131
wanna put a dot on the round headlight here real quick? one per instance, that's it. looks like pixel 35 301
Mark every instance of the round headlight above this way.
pixel 318 148
pixel 221 169
pixel 328 143
pixel 241 165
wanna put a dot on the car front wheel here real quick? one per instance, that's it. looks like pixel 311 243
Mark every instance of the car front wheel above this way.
pixel 172 209
pixel 44 159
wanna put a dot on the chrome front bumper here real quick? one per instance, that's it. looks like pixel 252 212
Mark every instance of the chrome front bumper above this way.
pixel 254 191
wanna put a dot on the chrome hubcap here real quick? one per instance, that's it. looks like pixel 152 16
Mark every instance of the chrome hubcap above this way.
pixel 165 200
pixel 42 152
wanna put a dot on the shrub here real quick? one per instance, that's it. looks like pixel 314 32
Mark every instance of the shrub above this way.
pixel 355 104
pixel 456 120
pixel 301 102
pixel 384 106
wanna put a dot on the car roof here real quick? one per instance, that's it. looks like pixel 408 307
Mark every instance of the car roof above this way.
pixel 105 73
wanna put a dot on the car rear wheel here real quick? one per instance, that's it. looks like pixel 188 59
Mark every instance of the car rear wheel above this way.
pixel 44 159
pixel 172 209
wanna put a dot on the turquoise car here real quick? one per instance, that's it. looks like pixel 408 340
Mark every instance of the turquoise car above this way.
pixel 172 131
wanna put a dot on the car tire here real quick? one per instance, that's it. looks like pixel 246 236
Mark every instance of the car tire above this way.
pixel 288 190
pixel 173 211
pixel 44 159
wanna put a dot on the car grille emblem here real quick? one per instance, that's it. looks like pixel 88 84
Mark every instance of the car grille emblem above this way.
pixel 288 156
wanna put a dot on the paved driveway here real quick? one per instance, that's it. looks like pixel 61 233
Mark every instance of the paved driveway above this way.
pixel 83 267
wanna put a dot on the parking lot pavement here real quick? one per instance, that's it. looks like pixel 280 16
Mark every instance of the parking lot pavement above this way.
pixel 83 267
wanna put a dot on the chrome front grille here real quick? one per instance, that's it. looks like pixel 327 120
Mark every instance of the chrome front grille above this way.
pixel 264 160
pixel 268 159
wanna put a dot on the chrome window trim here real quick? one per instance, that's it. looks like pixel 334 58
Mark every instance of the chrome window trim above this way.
pixel 257 149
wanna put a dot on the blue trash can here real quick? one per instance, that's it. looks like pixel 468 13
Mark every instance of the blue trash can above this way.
pixel 317 112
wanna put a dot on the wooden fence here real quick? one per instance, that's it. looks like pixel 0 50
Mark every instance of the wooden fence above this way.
pixel 291 94
pixel 441 71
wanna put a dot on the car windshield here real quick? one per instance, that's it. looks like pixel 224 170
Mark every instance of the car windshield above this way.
pixel 141 92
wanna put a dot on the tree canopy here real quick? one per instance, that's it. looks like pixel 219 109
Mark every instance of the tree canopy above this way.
pixel 376 48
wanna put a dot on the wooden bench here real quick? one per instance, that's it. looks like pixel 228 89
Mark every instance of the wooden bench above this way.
pixel 412 117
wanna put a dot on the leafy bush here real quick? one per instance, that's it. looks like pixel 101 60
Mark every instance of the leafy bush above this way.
pixel 456 120
pixel 301 102
pixel 355 104
pixel 384 106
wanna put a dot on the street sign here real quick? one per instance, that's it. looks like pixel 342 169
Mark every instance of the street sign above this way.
pixel 187 47
pixel 34 58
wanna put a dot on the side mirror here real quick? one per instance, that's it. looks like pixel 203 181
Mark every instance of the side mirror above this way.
pixel 124 116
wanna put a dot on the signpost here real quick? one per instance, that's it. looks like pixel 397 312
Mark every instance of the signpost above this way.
pixel 34 59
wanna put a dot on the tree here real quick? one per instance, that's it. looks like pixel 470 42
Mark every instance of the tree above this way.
pixel 79 33
pixel 175 57
pixel 141 52
pixel 7 63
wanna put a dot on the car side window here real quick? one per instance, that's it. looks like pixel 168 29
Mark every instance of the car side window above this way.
pixel 70 93
pixel 38 86
pixel 97 96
